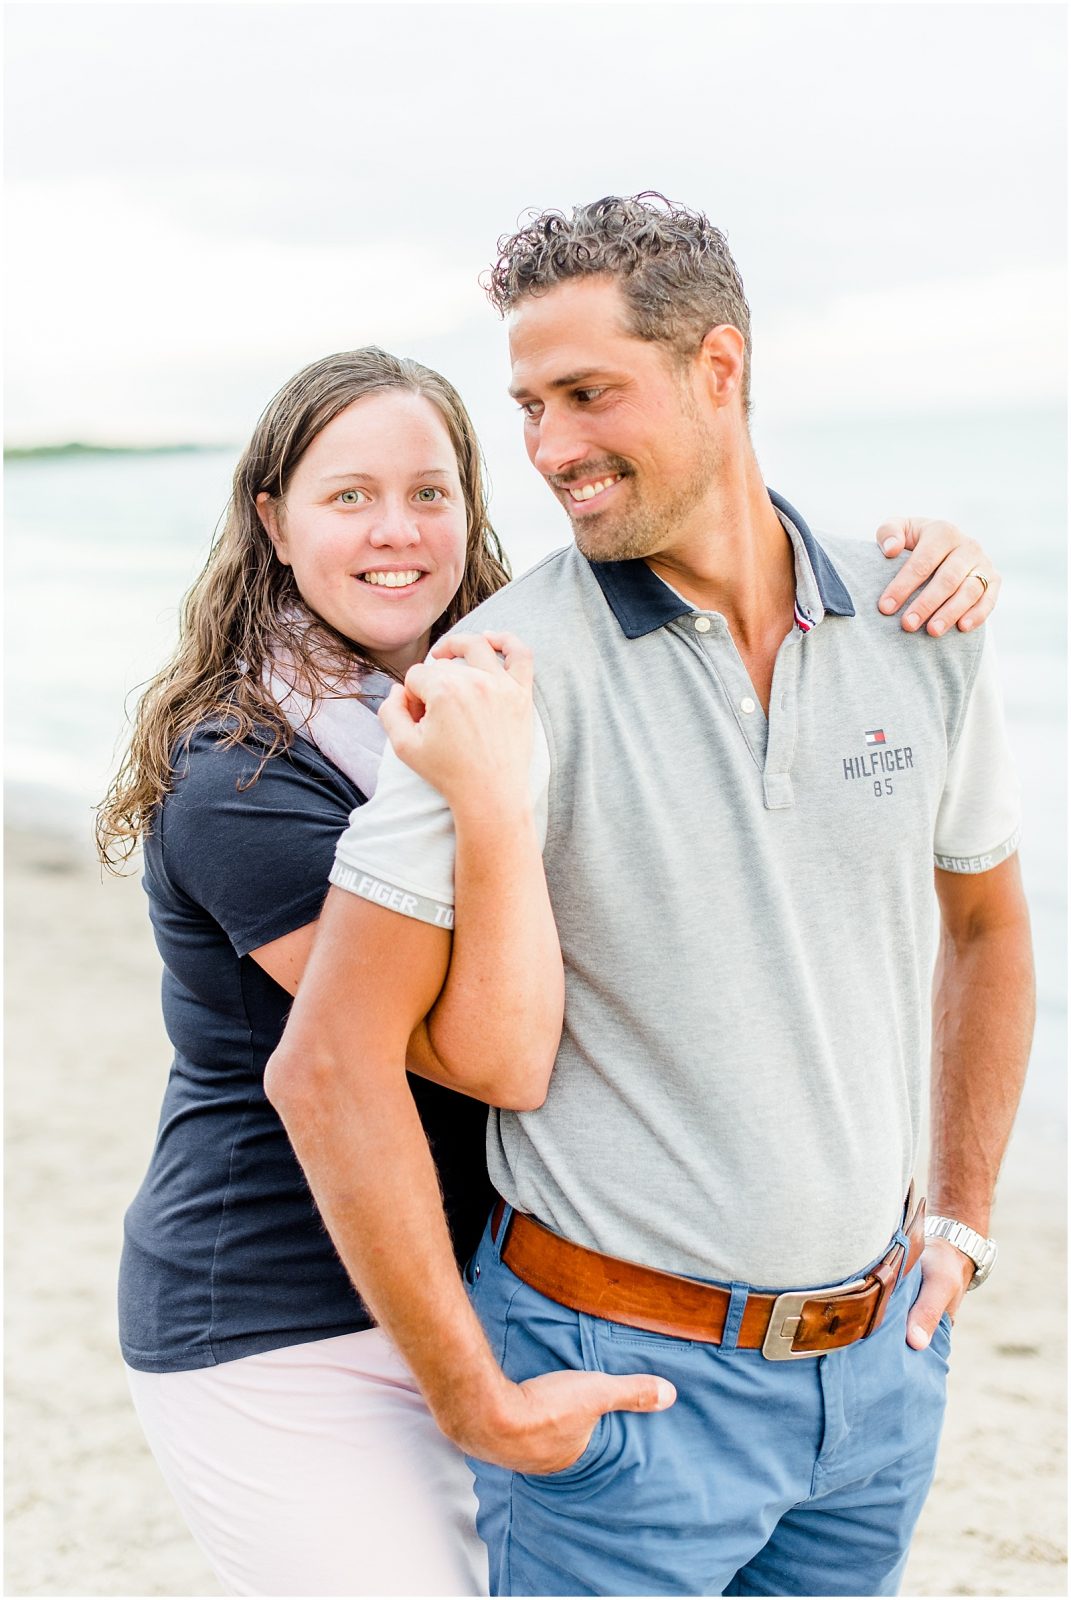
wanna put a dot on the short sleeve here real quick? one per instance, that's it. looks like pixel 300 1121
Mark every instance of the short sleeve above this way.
pixel 399 848
pixel 979 820
pixel 255 855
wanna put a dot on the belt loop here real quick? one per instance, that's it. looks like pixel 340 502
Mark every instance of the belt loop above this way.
pixel 500 1221
pixel 900 1236
pixel 734 1316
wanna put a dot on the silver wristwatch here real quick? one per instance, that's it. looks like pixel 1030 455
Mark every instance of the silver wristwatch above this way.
pixel 980 1250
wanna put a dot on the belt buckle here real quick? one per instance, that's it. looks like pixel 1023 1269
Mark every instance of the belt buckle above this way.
pixel 785 1320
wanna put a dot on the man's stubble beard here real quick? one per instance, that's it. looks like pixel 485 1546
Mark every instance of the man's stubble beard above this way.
pixel 644 528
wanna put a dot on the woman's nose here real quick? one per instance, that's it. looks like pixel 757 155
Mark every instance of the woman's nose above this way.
pixel 396 528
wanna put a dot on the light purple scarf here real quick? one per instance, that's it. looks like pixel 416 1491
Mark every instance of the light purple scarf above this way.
pixel 342 726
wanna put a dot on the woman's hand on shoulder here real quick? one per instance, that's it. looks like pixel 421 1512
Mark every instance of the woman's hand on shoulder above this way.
pixel 963 582
pixel 463 721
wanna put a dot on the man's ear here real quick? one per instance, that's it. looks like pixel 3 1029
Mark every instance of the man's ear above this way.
pixel 722 357
pixel 271 520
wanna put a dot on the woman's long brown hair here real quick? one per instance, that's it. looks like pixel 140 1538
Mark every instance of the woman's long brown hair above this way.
pixel 245 603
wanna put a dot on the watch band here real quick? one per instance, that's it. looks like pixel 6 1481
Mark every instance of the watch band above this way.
pixel 975 1246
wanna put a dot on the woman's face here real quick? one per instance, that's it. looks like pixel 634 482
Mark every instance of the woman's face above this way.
pixel 374 524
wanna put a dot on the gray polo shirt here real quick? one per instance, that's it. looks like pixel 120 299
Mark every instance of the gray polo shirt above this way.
pixel 746 907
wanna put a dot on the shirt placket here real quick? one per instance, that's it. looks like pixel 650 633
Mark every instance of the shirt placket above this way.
pixel 772 741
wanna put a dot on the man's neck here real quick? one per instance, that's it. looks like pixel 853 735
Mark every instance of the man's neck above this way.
pixel 735 558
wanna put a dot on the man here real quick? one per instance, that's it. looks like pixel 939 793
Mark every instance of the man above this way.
pixel 747 774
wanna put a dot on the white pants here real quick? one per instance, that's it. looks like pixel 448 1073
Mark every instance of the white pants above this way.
pixel 315 1470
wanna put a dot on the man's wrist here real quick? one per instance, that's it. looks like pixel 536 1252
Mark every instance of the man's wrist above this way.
pixel 475 1409
pixel 976 1251
pixel 972 1209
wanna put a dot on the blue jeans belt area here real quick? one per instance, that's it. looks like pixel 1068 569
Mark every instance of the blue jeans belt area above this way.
pixel 785 1327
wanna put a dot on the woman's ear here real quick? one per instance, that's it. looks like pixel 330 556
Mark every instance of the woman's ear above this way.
pixel 271 519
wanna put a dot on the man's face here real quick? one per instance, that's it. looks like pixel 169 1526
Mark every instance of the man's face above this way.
pixel 615 424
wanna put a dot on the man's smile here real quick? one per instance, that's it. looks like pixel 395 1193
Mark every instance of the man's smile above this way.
pixel 579 493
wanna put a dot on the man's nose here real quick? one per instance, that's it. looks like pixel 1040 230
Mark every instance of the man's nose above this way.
pixel 556 444
pixel 396 528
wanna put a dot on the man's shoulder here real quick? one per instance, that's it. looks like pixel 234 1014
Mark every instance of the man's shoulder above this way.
pixel 860 563
pixel 532 603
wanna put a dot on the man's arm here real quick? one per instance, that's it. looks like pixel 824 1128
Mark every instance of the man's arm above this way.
pixel 983 1021
pixel 494 1030
pixel 338 1082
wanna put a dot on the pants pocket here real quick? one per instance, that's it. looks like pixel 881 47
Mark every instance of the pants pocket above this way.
pixel 941 1342
pixel 538 1336
pixel 586 1462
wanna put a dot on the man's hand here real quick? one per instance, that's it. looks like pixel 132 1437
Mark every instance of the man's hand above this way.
pixel 544 1424
pixel 946 1272
pixel 955 595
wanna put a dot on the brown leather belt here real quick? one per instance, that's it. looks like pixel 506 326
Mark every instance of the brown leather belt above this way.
pixel 784 1327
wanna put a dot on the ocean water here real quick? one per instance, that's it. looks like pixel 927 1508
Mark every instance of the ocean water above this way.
pixel 100 549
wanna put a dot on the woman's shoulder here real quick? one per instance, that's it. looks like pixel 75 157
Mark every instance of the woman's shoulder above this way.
pixel 221 745
pixel 217 766
pixel 237 806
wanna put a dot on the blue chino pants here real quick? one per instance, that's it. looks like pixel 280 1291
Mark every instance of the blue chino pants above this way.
pixel 765 1478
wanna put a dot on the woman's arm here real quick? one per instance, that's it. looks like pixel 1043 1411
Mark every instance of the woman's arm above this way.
pixel 285 959
pixel 464 723
pixel 493 1032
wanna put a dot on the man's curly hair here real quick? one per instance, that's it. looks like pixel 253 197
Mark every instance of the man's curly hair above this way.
pixel 673 265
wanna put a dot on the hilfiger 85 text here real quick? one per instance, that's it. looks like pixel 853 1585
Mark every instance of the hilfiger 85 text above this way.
pixel 875 761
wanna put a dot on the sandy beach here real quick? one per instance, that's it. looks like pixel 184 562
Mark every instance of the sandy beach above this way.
pixel 87 1513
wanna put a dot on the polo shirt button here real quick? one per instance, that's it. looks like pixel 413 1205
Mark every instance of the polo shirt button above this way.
pixel 702 624
pixel 747 704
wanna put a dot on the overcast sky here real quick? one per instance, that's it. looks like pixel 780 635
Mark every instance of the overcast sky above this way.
pixel 203 197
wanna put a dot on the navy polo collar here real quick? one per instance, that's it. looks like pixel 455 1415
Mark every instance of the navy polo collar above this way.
pixel 641 602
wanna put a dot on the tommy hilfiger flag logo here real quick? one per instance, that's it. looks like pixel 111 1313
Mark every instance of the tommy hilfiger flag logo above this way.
pixel 875 736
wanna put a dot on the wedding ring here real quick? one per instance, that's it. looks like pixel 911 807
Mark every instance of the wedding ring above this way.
pixel 975 572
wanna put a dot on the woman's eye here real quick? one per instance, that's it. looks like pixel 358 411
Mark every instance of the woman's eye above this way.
pixel 351 497
pixel 429 494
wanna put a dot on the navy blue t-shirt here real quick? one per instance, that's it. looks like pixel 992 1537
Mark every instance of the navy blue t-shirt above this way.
pixel 225 1254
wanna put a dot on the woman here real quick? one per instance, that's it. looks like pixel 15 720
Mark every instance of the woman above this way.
pixel 291 1433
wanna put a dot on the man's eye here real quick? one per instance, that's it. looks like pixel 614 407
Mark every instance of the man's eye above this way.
pixel 351 497
pixel 585 396
pixel 531 409
pixel 429 494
